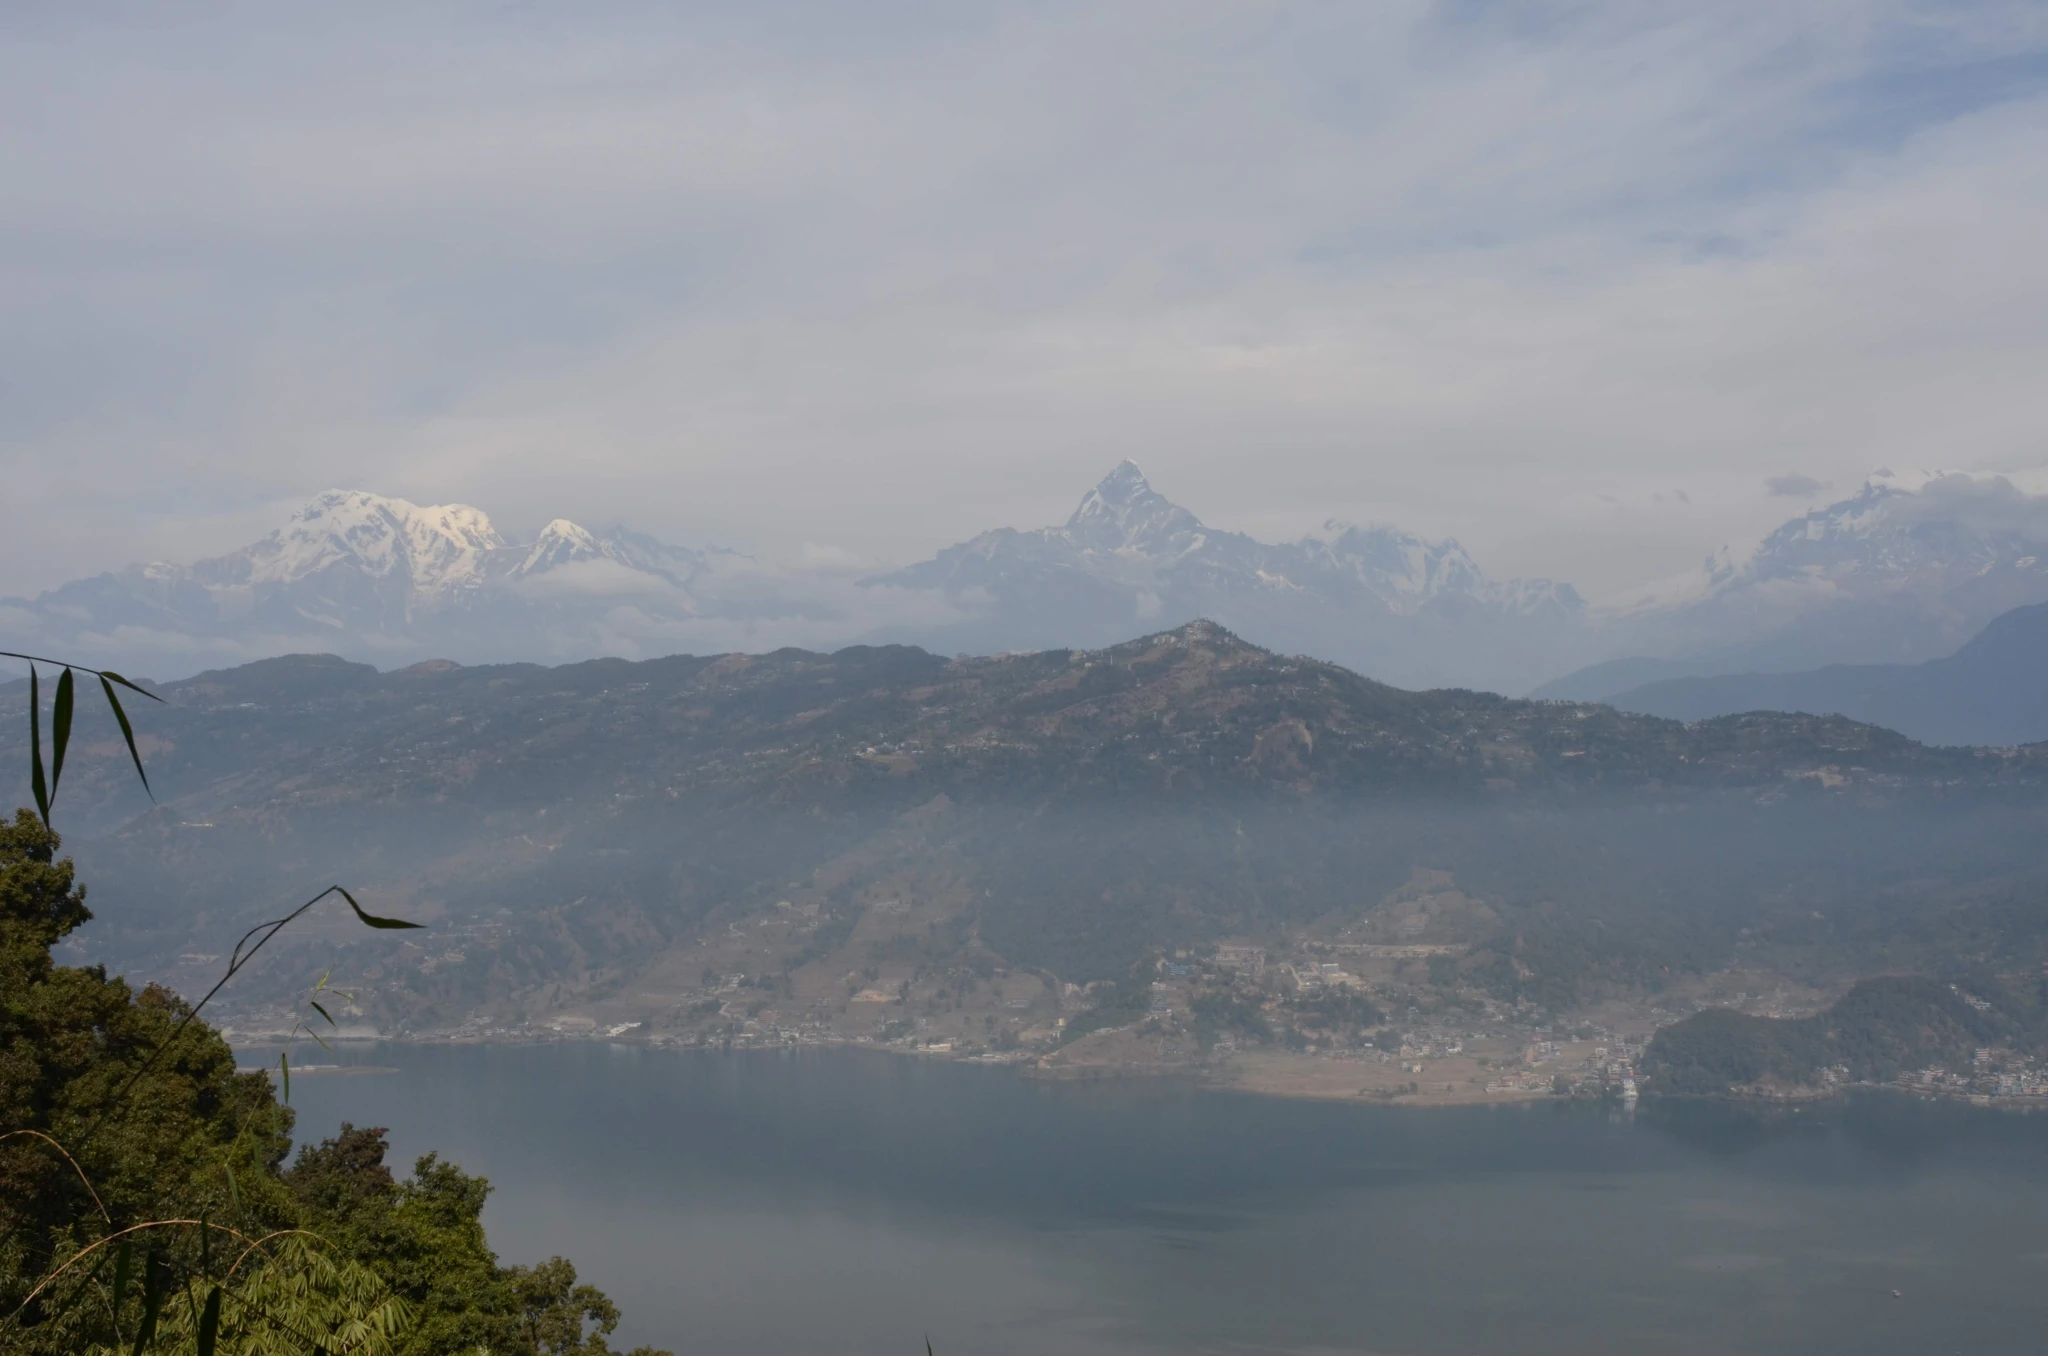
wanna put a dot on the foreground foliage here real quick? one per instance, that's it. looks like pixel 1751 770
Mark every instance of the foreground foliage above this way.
pixel 145 1205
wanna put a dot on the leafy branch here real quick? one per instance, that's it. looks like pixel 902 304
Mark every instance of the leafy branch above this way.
pixel 60 724
pixel 262 933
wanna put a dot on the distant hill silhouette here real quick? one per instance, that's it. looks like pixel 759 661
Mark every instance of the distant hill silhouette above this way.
pixel 1994 690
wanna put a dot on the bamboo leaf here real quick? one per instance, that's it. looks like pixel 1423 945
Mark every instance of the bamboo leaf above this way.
pixel 127 730
pixel 35 746
pixel 322 1011
pixel 372 919
pixel 109 673
pixel 152 1303
pixel 209 1323
pixel 284 1065
pixel 234 1191
pixel 123 1260
pixel 60 730
pixel 205 1247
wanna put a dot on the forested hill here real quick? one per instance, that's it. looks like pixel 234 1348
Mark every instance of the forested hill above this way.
pixel 1183 712
pixel 569 829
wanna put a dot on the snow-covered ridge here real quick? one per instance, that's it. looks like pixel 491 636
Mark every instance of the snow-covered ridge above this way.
pixel 433 552
pixel 434 548
pixel 1125 532
pixel 352 564
pixel 1906 568
pixel 1900 531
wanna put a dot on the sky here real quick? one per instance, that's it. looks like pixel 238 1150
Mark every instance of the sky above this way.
pixel 1596 289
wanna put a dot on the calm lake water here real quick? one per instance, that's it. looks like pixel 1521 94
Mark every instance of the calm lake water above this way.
pixel 845 1201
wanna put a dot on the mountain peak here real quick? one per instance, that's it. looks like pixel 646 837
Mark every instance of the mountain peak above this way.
pixel 1200 640
pixel 561 542
pixel 431 546
pixel 1124 511
pixel 1124 482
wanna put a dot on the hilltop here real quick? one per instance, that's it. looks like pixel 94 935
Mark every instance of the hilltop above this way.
pixel 1186 712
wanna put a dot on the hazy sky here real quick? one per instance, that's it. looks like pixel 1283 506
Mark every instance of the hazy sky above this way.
pixel 1593 288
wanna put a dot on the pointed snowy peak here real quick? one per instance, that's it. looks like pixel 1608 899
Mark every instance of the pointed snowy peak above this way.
pixel 1123 484
pixel 560 543
pixel 433 547
pixel 1123 512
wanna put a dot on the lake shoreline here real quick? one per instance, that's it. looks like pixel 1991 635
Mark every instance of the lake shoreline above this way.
pixel 1279 1075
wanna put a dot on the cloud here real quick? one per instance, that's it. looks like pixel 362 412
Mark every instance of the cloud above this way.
pixel 886 275
pixel 596 579
pixel 1991 504
pixel 1793 486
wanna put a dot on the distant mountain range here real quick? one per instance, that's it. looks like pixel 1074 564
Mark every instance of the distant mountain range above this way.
pixel 1382 601
pixel 1993 690
pixel 1903 571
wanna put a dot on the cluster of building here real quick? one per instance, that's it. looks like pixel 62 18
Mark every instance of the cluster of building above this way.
pixel 1992 1073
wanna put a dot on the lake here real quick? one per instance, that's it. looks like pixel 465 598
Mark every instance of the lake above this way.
pixel 856 1202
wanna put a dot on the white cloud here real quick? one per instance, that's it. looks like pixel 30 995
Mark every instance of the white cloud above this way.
pixel 884 277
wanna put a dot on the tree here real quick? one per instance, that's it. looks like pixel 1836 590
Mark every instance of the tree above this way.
pixel 142 1202
pixel 424 1238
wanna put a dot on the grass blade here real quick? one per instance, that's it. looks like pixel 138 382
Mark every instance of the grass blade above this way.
pixel 35 746
pixel 372 919
pixel 234 1192
pixel 322 1011
pixel 284 1066
pixel 60 730
pixel 127 730
pixel 209 1323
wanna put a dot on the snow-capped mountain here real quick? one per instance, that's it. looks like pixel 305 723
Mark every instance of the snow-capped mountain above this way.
pixel 383 579
pixel 1903 571
pixel 376 577
pixel 1126 532
pixel 562 543
pixel 1401 608
pixel 431 551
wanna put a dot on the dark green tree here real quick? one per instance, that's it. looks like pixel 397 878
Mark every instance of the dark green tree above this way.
pixel 193 1137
